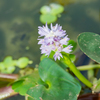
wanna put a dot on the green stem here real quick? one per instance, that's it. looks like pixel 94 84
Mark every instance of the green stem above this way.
pixel 73 68
pixel 88 67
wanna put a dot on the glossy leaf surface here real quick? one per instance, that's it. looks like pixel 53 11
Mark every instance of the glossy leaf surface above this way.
pixel 89 43
pixel 56 83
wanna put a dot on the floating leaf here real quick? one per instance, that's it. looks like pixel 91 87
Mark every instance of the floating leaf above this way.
pixel 8 61
pixel 2 66
pixel 15 62
pixel 22 62
pixel 53 9
pixel 45 10
pixel 10 69
pixel 50 13
pixel 89 43
pixel 56 8
pixel 48 18
pixel 57 84
pixel 6 69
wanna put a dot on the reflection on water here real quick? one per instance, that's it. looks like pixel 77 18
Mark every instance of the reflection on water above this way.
pixel 19 21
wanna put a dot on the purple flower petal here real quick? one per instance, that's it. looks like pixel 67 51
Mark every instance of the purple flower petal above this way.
pixel 64 40
pixel 53 40
pixel 57 55
pixel 67 49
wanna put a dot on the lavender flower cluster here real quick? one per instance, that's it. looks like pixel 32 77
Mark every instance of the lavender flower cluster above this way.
pixel 53 40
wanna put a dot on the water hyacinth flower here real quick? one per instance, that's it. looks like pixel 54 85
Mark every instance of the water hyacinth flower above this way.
pixel 53 40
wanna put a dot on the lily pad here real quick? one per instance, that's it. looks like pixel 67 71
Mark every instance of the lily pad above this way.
pixel 56 8
pixel 10 69
pixel 45 9
pixel 57 84
pixel 89 43
pixel 53 9
pixel 48 18
pixel 50 13
pixel 2 66
pixel 7 65
pixel 22 62
pixel 8 61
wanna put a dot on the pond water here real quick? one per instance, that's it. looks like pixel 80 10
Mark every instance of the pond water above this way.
pixel 19 21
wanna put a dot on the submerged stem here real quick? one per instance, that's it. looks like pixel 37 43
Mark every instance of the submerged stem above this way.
pixel 73 68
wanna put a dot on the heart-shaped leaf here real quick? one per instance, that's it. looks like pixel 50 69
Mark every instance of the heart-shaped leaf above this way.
pixel 89 43
pixel 56 83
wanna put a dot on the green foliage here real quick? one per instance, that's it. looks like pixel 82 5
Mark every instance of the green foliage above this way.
pixel 72 43
pixel 71 56
pixel 61 63
pixel 22 62
pixel 50 56
pixel 96 85
pixel 45 9
pixel 49 13
pixel 55 83
pixel 8 66
pixel 24 83
pixel 47 18
pixel 56 8
pixel 89 43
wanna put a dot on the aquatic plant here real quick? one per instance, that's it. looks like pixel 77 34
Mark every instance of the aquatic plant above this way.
pixel 54 40
pixel 49 13
pixel 51 81
pixel 8 65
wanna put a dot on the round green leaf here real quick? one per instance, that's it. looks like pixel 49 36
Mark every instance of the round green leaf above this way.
pixel 45 9
pixel 56 8
pixel 89 43
pixel 22 62
pixel 47 18
pixel 14 62
pixel 10 69
pixel 59 84
pixel 8 61
pixel 2 66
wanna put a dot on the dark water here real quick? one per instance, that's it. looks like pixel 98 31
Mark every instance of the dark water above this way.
pixel 19 21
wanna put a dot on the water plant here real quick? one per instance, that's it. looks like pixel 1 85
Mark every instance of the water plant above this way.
pixel 49 13
pixel 8 65
pixel 52 79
